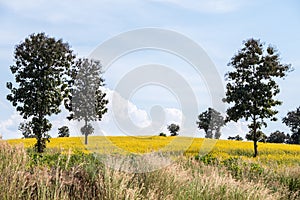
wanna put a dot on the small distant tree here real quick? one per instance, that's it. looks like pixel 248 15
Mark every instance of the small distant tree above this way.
pixel 277 137
pixel 63 131
pixel 41 71
pixel 173 128
pixel 162 134
pixel 26 130
pixel 237 137
pixel 87 129
pixel 231 138
pixel 211 122
pixel 87 101
pixel 293 121
pixel 251 86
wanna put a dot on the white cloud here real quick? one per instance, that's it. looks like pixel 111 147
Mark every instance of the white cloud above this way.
pixel 124 109
pixel 9 127
pixel 173 115
pixel 117 121
pixel 121 113
pixel 235 128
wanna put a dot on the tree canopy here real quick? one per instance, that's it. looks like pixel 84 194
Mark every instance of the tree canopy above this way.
pixel 87 101
pixel 41 73
pixel 292 120
pixel 174 128
pixel 251 86
pixel 277 137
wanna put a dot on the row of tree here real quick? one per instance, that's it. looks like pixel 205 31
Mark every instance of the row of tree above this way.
pixel 47 74
pixel 275 137
pixel 173 129
pixel 250 92
pixel 211 122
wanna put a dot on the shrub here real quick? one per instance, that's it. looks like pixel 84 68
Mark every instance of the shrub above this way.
pixel 163 135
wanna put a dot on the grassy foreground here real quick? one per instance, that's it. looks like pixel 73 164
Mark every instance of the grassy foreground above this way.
pixel 70 171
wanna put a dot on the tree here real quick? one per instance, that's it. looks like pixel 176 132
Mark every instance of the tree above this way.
pixel 41 73
pixel 26 129
pixel 173 128
pixel 277 137
pixel 237 137
pixel 251 86
pixel 63 131
pixel 261 137
pixel 211 121
pixel 292 120
pixel 162 134
pixel 87 102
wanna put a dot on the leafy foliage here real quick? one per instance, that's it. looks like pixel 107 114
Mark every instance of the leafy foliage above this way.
pixel 277 137
pixel 173 128
pixel 63 131
pixel 211 121
pixel 41 72
pixel 26 129
pixel 87 129
pixel 261 137
pixel 87 101
pixel 293 121
pixel 251 86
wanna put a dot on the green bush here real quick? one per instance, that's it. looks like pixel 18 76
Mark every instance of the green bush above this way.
pixel 207 159
pixel 163 135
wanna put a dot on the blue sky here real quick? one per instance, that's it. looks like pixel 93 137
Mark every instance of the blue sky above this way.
pixel 218 26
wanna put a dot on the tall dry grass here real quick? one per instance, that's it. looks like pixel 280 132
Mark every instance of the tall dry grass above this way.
pixel 25 175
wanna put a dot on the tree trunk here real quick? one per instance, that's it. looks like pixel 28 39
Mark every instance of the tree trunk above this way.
pixel 40 130
pixel 39 145
pixel 85 138
pixel 255 149
pixel 255 138
pixel 86 135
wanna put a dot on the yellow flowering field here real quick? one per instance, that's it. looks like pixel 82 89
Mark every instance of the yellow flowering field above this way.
pixel 282 153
